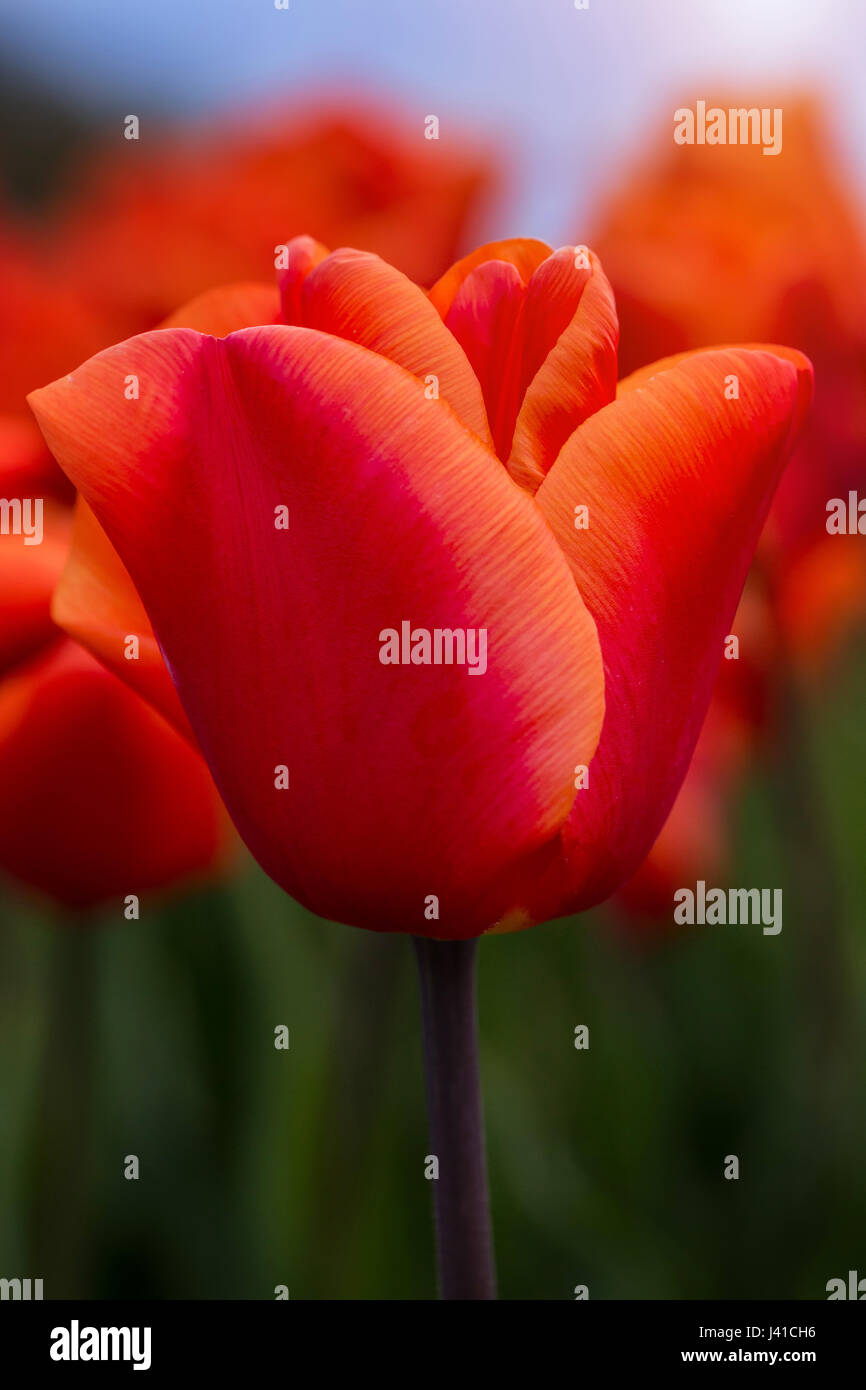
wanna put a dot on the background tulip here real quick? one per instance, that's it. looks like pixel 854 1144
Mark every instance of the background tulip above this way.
pixel 712 250
pixel 202 206
pixel 99 796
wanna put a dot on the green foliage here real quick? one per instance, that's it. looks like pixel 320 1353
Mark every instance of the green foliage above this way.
pixel 305 1166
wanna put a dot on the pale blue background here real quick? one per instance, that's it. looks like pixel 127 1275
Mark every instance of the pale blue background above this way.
pixel 560 94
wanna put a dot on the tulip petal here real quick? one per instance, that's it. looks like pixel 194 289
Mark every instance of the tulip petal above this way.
pixel 639 378
pixel 523 253
pixel 406 782
pixel 485 318
pixel 99 797
pixel 95 600
pixel 303 255
pixel 97 603
pixel 821 600
pixel 677 480
pixel 361 298
pixel 568 370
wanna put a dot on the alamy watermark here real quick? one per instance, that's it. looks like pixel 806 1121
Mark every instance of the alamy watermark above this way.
pixel 438 646
pixel 734 125
pixel 21 1289
pixel 846 516
pixel 852 1288
pixel 704 906
pixel 22 516
pixel 76 1343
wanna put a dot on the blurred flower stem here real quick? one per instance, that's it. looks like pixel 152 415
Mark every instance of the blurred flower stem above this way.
pixel 62 1129
pixel 464 1243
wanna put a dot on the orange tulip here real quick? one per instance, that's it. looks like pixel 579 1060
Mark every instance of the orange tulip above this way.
pixel 306 506
pixel 713 244
pixel 441 603
pixel 164 220
pixel 46 324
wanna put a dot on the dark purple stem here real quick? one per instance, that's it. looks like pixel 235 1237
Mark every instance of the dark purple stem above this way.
pixel 464 1243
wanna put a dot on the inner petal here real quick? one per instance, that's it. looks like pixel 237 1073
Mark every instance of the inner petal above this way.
pixel 486 318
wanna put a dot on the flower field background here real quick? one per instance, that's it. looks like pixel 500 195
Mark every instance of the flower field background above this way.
pixel 304 1167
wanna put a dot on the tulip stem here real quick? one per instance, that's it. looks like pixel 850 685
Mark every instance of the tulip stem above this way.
pixel 464 1242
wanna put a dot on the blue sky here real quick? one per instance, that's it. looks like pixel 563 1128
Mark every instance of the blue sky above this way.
pixel 560 94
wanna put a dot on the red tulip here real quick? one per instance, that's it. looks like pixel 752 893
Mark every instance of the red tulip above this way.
pixel 287 496
pixel 46 325
pixel 207 205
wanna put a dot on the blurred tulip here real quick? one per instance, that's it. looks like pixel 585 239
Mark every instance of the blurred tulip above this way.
pixel 717 244
pixel 693 842
pixel 283 496
pixel 46 324
pixel 99 796
pixel 163 220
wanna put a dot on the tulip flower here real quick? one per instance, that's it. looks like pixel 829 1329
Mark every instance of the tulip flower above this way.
pixel 100 797
pixel 46 324
pixel 310 490
pixel 710 244
pixel 198 207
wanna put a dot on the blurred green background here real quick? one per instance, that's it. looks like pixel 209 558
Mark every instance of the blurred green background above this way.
pixel 305 1167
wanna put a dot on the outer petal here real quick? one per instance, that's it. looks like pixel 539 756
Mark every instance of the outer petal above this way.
pixel 639 378
pixel 95 600
pixel 677 480
pixel 523 253
pixel 98 796
pixel 404 781
pixel 97 603
pixel 568 370
pixel 359 297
